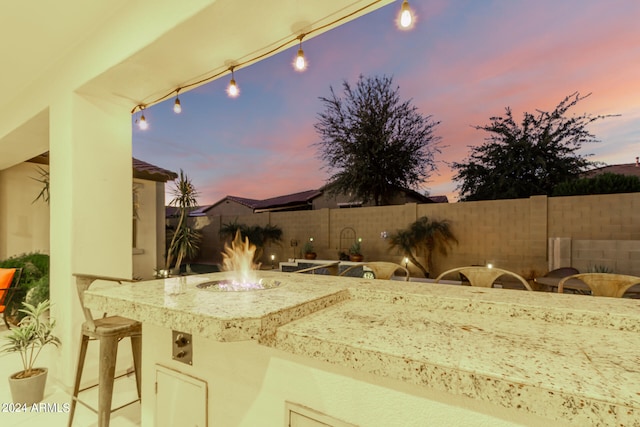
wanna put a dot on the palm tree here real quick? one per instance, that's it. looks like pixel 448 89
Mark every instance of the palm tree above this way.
pixel 184 241
pixel 424 235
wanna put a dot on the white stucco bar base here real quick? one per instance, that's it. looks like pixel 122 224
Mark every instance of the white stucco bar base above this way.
pixel 383 353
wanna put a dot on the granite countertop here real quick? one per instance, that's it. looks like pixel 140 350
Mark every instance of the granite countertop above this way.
pixel 177 303
pixel 572 358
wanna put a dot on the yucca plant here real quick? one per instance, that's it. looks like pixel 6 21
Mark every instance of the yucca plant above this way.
pixel 185 240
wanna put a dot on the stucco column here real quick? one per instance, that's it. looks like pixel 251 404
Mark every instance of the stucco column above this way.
pixel 90 210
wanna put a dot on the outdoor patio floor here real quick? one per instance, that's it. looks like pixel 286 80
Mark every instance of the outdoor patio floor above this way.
pixel 56 397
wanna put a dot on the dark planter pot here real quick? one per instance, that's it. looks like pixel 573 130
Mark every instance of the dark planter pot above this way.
pixel 356 258
pixel 310 255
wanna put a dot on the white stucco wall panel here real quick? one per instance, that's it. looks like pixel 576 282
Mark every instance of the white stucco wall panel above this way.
pixel 248 385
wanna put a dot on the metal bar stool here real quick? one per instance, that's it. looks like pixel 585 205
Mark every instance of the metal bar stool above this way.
pixel 108 330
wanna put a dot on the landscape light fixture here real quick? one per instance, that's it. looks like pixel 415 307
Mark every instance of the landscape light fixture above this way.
pixel 406 16
pixel 177 108
pixel 406 262
pixel 232 89
pixel 300 64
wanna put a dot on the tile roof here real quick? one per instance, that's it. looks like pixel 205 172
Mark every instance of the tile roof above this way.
pixel 144 170
pixel 622 169
pixel 288 200
pixel 141 170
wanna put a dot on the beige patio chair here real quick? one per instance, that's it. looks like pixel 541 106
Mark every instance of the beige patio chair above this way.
pixel 381 269
pixel 484 276
pixel 603 284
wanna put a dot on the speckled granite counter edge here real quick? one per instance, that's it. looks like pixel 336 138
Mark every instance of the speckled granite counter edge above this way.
pixel 534 399
pixel 224 330
pixel 535 310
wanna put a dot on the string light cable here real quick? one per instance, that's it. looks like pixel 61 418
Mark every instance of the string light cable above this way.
pixel 236 66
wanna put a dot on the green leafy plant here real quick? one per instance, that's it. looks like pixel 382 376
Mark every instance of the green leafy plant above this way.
pixel 34 282
pixel 308 247
pixel 424 235
pixel 600 269
pixel 30 336
pixel 44 180
pixel 356 248
pixel 606 183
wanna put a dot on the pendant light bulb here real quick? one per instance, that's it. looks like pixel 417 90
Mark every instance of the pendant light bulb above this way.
pixel 301 63
pixel 406 18
pixel 177 108
pixel 233 90
pixel 142 124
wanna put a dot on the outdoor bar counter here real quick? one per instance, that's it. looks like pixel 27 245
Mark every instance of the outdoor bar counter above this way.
pixel 384 353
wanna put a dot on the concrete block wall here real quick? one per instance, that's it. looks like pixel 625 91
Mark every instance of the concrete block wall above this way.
pixel 597 217
pixel 618 256
pixel 511 234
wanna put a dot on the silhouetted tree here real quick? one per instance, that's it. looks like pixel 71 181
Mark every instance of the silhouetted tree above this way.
pixel 374 143
pixel 531 158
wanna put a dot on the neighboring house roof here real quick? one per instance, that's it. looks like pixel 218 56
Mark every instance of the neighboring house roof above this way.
pixel 174 211
pixel 144 170
pixel 141 170
pixel 623 169
pixel 299 200
pixel 288 201
pixel 438 199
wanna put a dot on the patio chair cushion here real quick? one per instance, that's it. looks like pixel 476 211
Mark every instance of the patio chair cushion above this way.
pixel 6 276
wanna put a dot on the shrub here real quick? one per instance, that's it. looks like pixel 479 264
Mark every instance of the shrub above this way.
pixel 606 183
pixel 34 282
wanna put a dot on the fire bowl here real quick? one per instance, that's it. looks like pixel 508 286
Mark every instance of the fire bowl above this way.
pixel 235 286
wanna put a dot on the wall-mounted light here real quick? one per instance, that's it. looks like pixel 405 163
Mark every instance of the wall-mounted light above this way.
pixel 232 90
pixel 406 16
pixel 384 234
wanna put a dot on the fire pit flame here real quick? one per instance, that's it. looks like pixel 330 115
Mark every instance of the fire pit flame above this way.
pixel 238 258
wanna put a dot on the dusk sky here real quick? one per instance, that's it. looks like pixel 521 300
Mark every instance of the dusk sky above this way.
pixel 463 62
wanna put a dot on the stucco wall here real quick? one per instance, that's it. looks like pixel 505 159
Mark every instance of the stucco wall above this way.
pixel 24 223
pixel 248 385
pixel 511 234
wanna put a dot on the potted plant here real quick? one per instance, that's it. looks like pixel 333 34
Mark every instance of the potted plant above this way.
pixel 308 251
pixel 355 252
pixel 32 333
